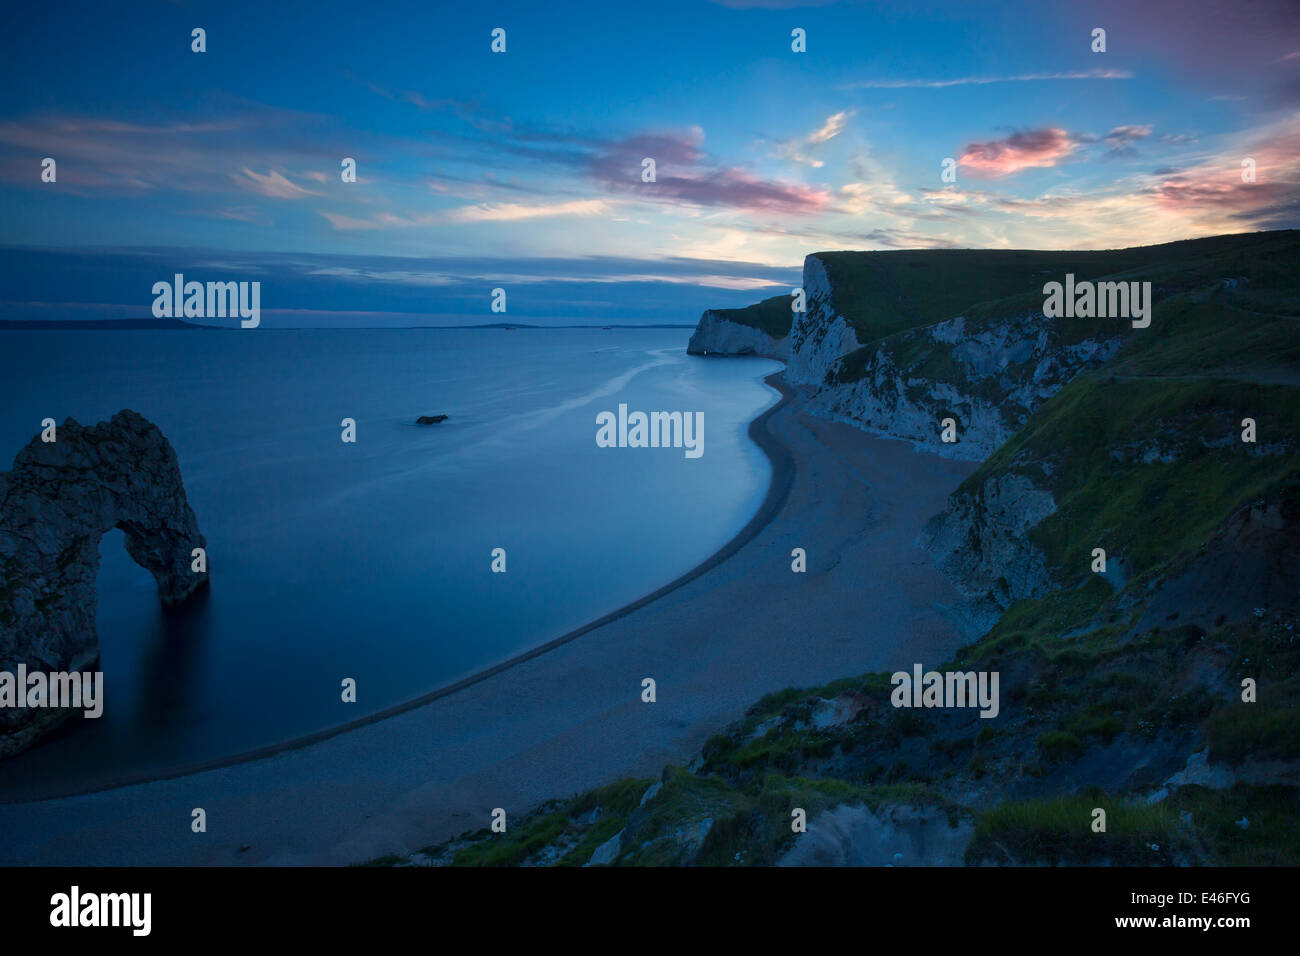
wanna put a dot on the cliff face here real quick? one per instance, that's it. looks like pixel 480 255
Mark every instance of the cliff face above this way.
pixel 872 360
pixel 981 543
pixel 55 505
pixel 988 379
pixel 718 335
pixel 987 375
pixel 820 335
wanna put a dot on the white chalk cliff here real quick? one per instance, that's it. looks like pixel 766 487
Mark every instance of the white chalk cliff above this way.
pixel 718 335
pixel 820 335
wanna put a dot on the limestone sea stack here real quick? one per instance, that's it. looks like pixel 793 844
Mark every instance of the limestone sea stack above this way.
pixel 55 505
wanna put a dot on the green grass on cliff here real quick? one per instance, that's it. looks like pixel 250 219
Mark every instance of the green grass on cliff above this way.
pixel 1143 456
pixel 772 316
pixel 1087 444
pixel 884 294
pixel 1059 830
pixel 881 293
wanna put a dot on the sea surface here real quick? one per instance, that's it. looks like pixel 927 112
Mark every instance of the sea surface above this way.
pixel 372 560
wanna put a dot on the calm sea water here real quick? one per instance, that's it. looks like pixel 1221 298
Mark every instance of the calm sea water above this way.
pixel 372 560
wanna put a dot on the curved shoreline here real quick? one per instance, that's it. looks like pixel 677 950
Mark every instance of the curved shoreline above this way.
pixel 783 472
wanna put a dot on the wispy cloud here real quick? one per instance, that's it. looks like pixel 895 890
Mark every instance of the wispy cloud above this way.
pixel 482 212
pixel 684 174
pixel 982 80
pixel 800 150
pixel 518 212
pixel 102 157
pixel 1122 140
pixel 272 183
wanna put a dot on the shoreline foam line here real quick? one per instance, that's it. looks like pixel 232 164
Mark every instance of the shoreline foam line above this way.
pixel 783 469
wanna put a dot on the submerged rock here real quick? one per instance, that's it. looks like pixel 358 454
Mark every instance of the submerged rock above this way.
pixel 430 419
pixel 55 505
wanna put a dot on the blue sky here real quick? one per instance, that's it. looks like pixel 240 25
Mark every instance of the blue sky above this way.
pixel 523 169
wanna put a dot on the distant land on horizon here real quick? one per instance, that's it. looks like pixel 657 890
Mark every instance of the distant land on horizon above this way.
pixel 122 325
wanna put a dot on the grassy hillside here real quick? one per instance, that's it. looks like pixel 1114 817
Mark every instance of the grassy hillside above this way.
pixel 885 293
pixel 989 287
pixel 1144 456
pixel 882 293
pixel 772 316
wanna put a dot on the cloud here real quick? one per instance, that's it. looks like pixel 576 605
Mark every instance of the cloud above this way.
pixel 481 212
pixel 982 80
pixel 874 194
pixel 1121 140
pixel 686 175
pixel 833 126
pixel 516 212
pixel 469 111
pixel 1200 197
pixel 370 290
pixel 1020 150
pixel 800 150
pixel 98 156
pixel 235 214
pixel 273 184
pixel 1213 191
pixel 683 174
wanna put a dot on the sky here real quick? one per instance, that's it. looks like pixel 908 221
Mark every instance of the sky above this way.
pixel 524 169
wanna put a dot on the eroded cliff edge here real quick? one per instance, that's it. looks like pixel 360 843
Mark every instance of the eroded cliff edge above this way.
pixel 761 330
pixel 58 501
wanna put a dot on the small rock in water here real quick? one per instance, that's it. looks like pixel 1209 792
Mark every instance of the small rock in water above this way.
pixel 430 419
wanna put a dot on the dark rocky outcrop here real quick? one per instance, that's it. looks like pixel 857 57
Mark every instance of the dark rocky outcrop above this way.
pixel 981 543
pixel 55 505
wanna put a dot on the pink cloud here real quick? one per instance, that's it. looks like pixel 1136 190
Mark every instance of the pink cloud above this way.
pixel 1021 150
pixel 684 174
pixel 1216 187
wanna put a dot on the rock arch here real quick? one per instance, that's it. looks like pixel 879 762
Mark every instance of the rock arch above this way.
pixel 58 501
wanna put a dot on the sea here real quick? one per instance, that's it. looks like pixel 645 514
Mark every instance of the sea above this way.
pixel 371 560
